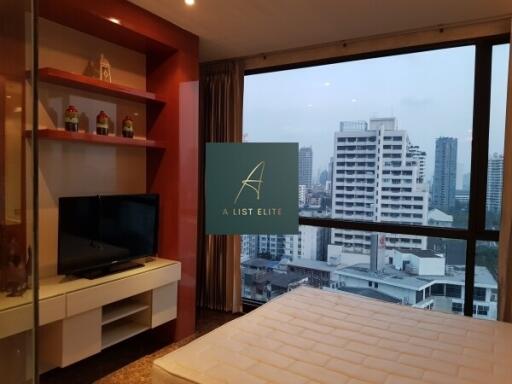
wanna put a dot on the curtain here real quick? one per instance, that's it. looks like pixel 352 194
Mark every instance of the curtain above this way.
pixel 505 253
pixel 221 100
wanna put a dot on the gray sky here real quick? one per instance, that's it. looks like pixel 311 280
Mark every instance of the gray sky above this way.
pixel 430 94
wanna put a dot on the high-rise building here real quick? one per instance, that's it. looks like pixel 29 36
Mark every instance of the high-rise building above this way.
pixel 420 157
pixel 494 183
pixel 306 166
pixel 375 178
pixel 445 174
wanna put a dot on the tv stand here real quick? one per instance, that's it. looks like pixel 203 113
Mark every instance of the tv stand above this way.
pixel 111 269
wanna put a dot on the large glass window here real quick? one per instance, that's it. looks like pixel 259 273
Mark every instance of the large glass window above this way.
pixel 378 140
pixel 385 158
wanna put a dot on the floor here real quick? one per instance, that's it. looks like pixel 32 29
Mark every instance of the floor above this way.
pixel 130 361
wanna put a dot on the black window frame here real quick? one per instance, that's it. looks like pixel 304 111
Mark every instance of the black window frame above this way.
pixel 476 229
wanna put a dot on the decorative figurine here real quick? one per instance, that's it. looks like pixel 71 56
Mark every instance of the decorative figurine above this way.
pixel 127 127
pixel 16 271
pixel 105 74
pixel 71 119
pixel 92 70
pixel 102 123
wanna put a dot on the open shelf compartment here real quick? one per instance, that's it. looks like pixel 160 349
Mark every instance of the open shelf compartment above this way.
pixel 75 80
pixel 121 309
pixel 58 134
pixel 121 330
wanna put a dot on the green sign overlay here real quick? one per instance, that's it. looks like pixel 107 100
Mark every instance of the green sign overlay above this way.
pixel 252 188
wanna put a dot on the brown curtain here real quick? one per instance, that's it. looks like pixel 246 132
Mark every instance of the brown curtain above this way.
pixel 505 255
pixel 221 100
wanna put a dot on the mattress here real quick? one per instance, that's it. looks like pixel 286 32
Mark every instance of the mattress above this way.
pixel 310 336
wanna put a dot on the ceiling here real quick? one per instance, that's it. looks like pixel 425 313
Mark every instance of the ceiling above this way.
pixel 236 28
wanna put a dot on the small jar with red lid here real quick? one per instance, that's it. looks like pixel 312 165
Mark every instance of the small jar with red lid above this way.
pixel 71 119
pixel 127 130
pixel 102 123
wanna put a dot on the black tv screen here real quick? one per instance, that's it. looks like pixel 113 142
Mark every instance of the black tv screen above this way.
pixel 98 231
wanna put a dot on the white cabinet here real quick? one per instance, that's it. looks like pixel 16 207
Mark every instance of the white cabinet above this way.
pixel 90 315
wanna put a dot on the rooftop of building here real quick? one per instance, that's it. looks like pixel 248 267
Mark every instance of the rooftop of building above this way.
pixel 421 253
pixel 276 279
pixel 438 215
pixel 455 274
pixel 314 264
pixel 371 293
pixel 260 263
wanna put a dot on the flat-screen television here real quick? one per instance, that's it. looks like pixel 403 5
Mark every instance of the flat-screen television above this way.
pixel 97 233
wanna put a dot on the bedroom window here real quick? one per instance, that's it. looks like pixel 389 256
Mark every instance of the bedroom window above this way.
pixel 387 155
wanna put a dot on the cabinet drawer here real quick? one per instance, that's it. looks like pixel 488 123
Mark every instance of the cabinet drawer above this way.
pixel 97 296
pixel 52 309
pixel 16 320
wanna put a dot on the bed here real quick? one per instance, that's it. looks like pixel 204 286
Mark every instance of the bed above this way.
pixel 310 336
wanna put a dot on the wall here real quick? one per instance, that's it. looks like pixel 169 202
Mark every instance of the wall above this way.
pixel 75 169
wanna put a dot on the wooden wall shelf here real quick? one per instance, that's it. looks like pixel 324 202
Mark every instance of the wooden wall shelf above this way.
pixel 56 134
pixel 74 80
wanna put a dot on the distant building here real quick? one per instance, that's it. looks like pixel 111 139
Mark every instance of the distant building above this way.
pixel 306 166
pixel 323 178
pixel 303 194
pixel 375 178
pixel 462 197
pixel 437 218
pixel 311 244
pixel 271 246
pixel 466 181
pixel 422 279
pixel 262 280
pixel 494 183
pixel 420 157
pixel 318 273
pixel 445 174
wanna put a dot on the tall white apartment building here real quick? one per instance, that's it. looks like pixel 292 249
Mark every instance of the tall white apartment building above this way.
pixel 494 183
pixel 310 244
pixel 376 178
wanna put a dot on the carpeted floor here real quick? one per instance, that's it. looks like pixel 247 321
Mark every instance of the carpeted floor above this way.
pixel 130 362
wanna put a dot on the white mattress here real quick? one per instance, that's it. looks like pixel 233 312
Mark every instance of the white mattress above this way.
pixel 313 336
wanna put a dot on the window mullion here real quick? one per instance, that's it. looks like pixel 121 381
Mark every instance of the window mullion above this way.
pixel 479 159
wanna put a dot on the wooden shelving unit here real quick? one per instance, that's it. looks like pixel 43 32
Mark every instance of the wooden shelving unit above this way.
pixel 77 81
pixel 91 138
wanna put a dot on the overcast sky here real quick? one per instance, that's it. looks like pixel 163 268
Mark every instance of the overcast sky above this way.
pixel 429 93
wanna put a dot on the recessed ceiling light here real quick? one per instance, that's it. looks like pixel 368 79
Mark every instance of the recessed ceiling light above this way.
pixel 327 83
pixel 114 20
pixel 190 2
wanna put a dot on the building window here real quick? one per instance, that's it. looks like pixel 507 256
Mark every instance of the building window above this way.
pixel 482 310
pixel 454 291
pixel 479 294
pixel 457 307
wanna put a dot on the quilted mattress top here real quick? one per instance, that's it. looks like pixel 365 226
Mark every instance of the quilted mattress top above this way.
pixel 312 336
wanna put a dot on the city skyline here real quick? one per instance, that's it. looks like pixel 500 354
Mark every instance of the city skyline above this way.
pixel 306 105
